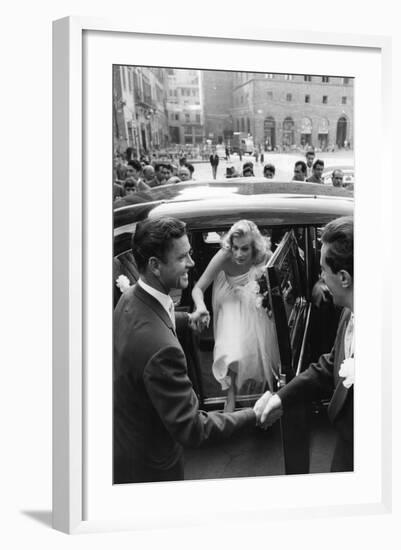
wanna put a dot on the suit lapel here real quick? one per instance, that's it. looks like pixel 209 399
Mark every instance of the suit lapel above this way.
pixel 155 306
pixel 340 392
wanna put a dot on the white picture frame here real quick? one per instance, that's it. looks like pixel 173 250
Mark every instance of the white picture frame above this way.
pixel 75 227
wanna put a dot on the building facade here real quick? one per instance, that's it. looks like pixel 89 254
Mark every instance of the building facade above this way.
pixel 184 106
pixel 283 111
pixel 217 92
pixel 140 109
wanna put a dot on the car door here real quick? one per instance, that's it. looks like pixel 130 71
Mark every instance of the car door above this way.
pixel 287 275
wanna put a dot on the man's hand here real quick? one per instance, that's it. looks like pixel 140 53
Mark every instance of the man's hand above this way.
pixel 268 409
pixel 199 319
pixel 272 411
pixel 320 293
pixel 260 405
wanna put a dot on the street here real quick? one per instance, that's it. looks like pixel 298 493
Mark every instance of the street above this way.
pixel 283 162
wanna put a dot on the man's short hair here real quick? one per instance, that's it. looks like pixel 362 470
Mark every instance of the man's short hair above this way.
pixel 339 236
pixel 154 238
pixel 269 168
pixel 135 164
pixel 318 162
pixel 302 164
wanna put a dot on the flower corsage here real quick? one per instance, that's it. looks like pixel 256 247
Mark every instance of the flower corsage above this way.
pixel 123 283
pixel 347 371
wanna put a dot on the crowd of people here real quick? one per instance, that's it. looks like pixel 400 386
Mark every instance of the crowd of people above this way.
pixel 133 178
pixel 156 410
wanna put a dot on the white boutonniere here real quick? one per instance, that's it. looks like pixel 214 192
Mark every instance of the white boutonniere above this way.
pixel 347 371
pixel 123 283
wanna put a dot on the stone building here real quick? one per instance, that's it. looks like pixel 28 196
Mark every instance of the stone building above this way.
pixel 286 111
pixel 184 106
pixel 217 92
pixel 140 110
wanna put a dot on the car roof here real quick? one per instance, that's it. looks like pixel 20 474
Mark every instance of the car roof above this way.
pixel 213 204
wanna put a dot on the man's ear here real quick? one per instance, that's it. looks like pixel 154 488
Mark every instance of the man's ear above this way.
pixel 345 278
pixel 154 266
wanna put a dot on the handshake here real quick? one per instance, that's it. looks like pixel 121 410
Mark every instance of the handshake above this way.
pixel 199 319
pixel 268 409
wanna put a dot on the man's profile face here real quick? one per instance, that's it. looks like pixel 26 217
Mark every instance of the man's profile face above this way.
pixel 332 280
pixel 298 174
pixel 178 261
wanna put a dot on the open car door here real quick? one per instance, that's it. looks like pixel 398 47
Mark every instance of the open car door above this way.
pixel 288 290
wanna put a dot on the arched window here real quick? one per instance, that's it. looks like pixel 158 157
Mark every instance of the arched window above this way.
pixel 306 132
pixel 341 131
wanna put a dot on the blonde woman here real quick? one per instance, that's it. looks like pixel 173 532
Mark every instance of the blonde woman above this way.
pixel 245 338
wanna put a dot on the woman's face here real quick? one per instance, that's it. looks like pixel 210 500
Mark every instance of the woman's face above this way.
pixel 242 250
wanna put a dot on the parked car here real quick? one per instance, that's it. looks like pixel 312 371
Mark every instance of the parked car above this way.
pixel 292 216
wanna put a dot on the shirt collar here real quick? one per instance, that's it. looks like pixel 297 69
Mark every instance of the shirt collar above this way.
pixel 164 299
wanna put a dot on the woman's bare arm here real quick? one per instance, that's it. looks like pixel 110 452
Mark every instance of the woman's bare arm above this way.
pixel 215 265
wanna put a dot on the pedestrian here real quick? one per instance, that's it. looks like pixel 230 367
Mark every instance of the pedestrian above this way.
pixel 214 161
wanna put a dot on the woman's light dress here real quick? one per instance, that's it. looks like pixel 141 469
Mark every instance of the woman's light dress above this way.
pixel 245 336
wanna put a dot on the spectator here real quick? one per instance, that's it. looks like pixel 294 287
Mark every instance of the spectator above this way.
pixel 337 177
pixel 247 169
pixel 269 171
pixel 310 157
pixel 191 169
pixel 183 173
pixel 231 172
pixel 318 167
pixel 134 169
pixel 131 185
pixel 300 170
pixel 163 172
pixel 118 191
pixel 149 176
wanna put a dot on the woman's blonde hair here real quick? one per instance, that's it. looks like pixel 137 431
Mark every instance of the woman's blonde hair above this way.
pixel 243 228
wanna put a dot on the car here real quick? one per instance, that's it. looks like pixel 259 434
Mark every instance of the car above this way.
pixel 291 215
pixel 348 171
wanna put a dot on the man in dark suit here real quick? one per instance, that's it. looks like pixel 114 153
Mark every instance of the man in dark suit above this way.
pixel 156 411
pixel 214 162
pixel 332 376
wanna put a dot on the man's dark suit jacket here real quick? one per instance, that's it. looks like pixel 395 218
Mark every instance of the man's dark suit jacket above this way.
pixel 156 411
pixel 321 380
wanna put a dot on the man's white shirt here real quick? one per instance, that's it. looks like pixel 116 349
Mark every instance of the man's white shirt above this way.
pixel 164 299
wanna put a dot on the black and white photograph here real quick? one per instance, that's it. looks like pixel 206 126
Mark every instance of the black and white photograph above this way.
pixel 233 269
